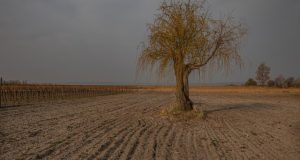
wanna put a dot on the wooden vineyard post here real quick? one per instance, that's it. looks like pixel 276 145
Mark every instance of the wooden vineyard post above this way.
pixel 0 91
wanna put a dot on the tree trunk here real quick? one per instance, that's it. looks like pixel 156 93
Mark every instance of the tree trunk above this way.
pixel 183 101
pixel 186 86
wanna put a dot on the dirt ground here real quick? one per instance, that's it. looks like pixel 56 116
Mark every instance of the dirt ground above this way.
pixel 129 126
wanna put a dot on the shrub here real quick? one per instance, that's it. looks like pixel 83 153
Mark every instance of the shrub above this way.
pixel 271 83
pixel 262 74
pixel 251 82
pixel 289 82
pixel 279 81
pixel 296 83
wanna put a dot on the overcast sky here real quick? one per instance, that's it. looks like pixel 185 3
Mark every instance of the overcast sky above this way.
pixel 96 40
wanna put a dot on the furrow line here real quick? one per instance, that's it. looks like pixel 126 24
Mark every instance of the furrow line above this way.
pixel 213 143
pixel 135 143
pixel 144 142
pixel 96 138
pixel 175 148
pixel 106 141
pixel 66 141
pixel 162 143
pixel 231 147
pixel 120 151
pixel 254 145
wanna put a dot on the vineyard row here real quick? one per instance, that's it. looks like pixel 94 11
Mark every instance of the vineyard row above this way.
pixel 12 95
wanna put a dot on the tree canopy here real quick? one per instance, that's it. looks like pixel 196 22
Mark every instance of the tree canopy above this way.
pixel 262 73
pixel 185 37
pixel 186 31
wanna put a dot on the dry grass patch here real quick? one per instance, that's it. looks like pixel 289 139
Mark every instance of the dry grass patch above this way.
pixel 228 89
pixel 172 113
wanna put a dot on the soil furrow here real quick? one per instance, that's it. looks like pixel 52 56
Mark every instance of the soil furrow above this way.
pixel 162 141
pixel 176 148
pixel 147 149
pixel 143 147
pixel 135 142
pixel 129 126
pixel 120 151
pixel 88 140
pixel 256 147
pixel 229 141
pixel 213 141
pixel 104 145
pixel 160 138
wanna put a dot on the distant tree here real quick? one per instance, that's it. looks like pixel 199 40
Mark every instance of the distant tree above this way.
pixel 184 37
pixel 251 82
pixel 279 81
pixel 289 82
pixel 296 82
pixel 271 83
pixel 262 73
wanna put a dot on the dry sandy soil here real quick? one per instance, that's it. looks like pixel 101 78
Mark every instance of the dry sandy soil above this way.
pixel 130 126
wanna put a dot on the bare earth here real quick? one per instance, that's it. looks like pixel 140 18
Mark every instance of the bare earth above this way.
pixel 129 126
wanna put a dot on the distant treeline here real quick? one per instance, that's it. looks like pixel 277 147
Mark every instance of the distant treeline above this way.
pixel 280 82
pixel 263 79
pixel 13 82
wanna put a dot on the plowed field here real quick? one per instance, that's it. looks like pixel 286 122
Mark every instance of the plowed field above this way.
pixel 129 126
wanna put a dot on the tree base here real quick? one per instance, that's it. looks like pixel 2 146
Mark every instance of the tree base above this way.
pixel 174 113
pixel 184 106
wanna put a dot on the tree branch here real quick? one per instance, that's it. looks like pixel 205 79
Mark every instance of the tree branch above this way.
pixel 192 66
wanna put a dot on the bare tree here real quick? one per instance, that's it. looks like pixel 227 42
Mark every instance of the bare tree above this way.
pixel 262 73
pixel 271 83
pixel 279 81
pixel 296 82
pixel 185 37
pixel 289 82
pixel 251 82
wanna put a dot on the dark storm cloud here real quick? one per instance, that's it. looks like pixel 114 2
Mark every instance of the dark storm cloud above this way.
pixel 96 40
